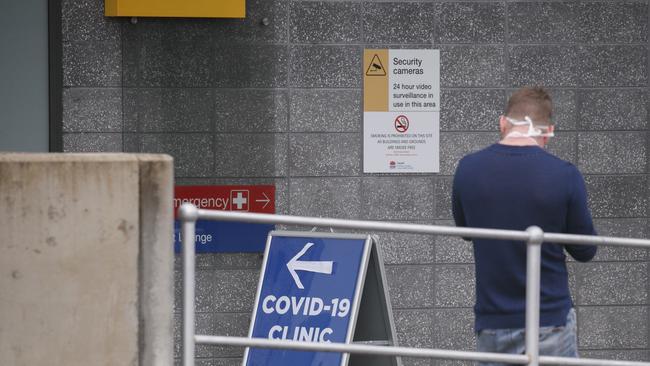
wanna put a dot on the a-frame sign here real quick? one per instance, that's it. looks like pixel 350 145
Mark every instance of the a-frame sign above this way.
pixel 321 287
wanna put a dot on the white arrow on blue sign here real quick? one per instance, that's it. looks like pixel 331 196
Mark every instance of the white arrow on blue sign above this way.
pixel 295 264
pixel 309 290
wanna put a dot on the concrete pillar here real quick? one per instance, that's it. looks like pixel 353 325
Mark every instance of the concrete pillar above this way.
pixel 86 259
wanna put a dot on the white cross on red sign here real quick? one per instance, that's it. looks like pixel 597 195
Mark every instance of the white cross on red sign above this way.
pixel 239 200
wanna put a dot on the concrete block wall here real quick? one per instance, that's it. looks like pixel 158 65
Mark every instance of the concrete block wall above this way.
pixel 238 102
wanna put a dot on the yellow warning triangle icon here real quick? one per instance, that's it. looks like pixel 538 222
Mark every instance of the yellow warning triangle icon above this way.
pixel 376 68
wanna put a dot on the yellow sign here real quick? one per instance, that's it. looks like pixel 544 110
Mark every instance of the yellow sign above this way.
pixel 375 80
pixel 176 8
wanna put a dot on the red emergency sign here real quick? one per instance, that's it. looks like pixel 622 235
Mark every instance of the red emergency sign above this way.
pixel 257 198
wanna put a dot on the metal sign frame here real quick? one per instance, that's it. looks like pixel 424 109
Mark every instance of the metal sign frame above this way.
pixel 375 324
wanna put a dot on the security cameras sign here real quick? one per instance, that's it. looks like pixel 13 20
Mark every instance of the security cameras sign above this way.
pixel 310 289
pixel 220 236
pixel 401 111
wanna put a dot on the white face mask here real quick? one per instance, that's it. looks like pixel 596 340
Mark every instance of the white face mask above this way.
pixel 533 131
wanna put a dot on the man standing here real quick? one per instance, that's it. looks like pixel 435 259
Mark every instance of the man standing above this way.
pixel 512 185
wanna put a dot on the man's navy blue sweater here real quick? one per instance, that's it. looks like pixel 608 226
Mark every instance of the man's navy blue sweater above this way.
pixel 514 187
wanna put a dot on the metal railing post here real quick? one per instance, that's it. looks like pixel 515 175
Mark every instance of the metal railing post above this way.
pixel 533 270
pixel 188 214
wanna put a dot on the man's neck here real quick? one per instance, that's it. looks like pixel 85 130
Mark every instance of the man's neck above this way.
pixel 519 141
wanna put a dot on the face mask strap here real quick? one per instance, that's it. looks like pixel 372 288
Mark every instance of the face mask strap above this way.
pixel 533 131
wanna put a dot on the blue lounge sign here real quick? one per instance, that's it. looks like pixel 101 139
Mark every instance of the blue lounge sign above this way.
pixel 310 289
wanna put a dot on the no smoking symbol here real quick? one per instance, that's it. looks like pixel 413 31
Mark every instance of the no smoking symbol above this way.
pixel 401 123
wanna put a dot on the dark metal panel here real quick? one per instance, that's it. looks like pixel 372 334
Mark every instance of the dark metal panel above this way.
pixel 55 70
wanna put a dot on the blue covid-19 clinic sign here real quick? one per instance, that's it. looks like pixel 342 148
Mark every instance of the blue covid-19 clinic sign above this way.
pixel 309 291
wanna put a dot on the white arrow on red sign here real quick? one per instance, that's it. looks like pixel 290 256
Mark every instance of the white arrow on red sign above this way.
pixel 266 200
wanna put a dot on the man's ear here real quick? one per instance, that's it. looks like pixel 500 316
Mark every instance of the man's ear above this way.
pixel 546 138
pixel 503 124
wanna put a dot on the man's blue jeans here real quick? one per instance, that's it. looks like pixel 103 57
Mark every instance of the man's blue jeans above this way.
pixel 553 341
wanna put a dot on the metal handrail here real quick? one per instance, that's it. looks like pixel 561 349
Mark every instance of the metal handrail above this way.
pixel 533 236
pixel 405 351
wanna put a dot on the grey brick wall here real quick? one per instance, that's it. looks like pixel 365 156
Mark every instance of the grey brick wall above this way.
pixel 237 102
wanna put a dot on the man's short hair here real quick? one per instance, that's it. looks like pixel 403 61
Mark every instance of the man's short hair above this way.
pixel 534 102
